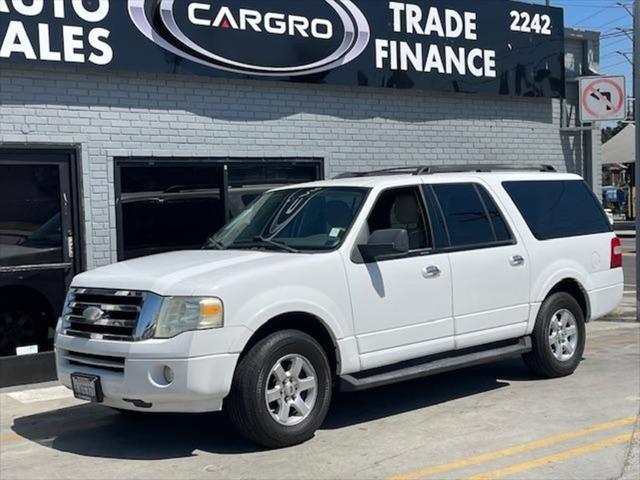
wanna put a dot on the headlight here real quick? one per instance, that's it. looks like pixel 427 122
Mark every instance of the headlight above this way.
pixel 182 314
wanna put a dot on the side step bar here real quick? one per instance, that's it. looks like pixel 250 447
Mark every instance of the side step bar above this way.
pixel 363 381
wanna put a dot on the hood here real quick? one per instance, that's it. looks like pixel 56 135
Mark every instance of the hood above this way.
pixel 180 273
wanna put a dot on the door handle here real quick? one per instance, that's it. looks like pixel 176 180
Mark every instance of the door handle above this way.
pixel 516 260
pixel 431 271
pixel 70 248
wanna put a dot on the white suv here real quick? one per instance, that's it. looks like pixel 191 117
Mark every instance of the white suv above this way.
pixel 350 284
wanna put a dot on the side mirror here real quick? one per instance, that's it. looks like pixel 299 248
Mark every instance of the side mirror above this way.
pixel 385 242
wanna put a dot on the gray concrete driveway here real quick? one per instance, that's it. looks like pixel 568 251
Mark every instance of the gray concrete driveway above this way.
pixel 487 422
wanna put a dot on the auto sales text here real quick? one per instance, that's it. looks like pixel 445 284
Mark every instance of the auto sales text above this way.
pixel 54 42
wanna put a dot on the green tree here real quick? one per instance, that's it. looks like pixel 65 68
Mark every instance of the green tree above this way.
pixel 609 132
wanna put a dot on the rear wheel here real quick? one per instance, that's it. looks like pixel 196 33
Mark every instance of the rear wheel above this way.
pixel 281 390
pixel 558 338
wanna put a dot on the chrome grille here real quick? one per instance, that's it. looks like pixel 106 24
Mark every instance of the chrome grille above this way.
pixel 103 314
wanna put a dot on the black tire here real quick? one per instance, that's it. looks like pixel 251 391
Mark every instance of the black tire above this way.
pixel 246 405
pixel 21 323
pixel 541 360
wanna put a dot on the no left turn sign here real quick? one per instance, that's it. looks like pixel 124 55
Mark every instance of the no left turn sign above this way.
pixel 602 99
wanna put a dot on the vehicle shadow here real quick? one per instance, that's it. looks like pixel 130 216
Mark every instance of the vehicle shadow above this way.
pixel 350 409
pixel 96 431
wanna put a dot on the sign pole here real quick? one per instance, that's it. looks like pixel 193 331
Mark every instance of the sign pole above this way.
pixel 636 109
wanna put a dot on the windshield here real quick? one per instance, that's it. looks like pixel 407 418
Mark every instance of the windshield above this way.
pixel 302 219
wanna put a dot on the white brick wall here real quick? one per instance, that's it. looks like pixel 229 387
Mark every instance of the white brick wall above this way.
pixel 111 115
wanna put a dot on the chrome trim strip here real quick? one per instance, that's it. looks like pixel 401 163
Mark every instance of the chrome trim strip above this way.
pixel 148 318
pixel 97 336
pixel 103 322
pixel 107 307
pixel 106 292
pixel 35 268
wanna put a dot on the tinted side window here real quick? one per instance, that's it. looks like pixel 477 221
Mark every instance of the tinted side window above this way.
pixel 401 208
pixel 497 220
pixel 465 215
pixel 556 209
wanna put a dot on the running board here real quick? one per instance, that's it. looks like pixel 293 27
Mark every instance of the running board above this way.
pixel 365 380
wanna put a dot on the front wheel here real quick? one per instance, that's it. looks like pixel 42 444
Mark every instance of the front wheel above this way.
pixel 558 338
pixel 281 390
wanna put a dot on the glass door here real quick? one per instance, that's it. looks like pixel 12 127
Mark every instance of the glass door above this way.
pixel 37 248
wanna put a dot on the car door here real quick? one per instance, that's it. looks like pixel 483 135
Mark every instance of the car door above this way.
pixel 490 266
pixel 401 305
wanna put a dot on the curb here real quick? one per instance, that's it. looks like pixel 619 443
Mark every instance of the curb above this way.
pixel 631 467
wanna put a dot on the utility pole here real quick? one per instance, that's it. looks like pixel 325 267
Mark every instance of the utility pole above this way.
pixel 636 109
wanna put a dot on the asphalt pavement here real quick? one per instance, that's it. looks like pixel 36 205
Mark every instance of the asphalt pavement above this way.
pixel 489 422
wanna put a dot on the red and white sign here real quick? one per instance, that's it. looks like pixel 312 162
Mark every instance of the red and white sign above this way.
pixel 602 99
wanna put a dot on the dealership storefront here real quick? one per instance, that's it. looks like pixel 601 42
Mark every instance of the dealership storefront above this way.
pixel 129 128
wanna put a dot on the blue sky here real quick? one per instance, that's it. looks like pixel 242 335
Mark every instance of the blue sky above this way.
pixel 605 16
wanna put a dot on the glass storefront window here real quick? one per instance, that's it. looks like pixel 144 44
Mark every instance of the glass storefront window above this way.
pixel 177 204
pixel 30 231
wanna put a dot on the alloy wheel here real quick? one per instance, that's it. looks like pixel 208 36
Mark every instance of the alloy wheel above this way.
pixel 291 390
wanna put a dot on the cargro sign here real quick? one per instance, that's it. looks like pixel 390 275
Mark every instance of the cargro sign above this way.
pixel 488 46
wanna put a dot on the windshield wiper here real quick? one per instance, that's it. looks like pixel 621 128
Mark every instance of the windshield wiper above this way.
pixel 264 243
pixel 211 243
pixel 273 243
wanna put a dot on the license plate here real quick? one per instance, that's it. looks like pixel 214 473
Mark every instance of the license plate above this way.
pixel 86 387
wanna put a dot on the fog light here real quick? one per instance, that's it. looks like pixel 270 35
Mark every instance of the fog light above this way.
pixel 168 374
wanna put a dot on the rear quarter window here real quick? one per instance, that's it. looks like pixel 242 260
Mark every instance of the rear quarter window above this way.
pixel 558 209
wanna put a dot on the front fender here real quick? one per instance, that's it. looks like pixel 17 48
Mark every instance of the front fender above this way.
pixel 336 319
pixel 262 308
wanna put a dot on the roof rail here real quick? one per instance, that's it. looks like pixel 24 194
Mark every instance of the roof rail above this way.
pixel 385 171
pixel 481 168
pixel 433 169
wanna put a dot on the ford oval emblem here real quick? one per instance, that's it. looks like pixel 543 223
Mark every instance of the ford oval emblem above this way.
pixel 92 314
pixel 277 38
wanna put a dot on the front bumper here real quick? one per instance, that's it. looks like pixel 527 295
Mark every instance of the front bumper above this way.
pixel 132 376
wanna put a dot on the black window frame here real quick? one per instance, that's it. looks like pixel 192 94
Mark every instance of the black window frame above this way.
pixel 40 154
pixel 592 195
pixel 478 246
pixel 356 256
pixel 222 162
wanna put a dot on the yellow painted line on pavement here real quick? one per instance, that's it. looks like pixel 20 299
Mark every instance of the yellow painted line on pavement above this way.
pixel 9 437
pixel 554 458
pixel 44 434
pixel 627 254
pixel 525 447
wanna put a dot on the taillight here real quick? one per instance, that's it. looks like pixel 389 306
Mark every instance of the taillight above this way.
pixel 616 253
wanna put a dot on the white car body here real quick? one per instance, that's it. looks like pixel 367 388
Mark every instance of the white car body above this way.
pixel 376 314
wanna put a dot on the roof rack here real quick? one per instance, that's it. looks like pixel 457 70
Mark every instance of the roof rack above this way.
pixel 385 171
pixel 433 169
